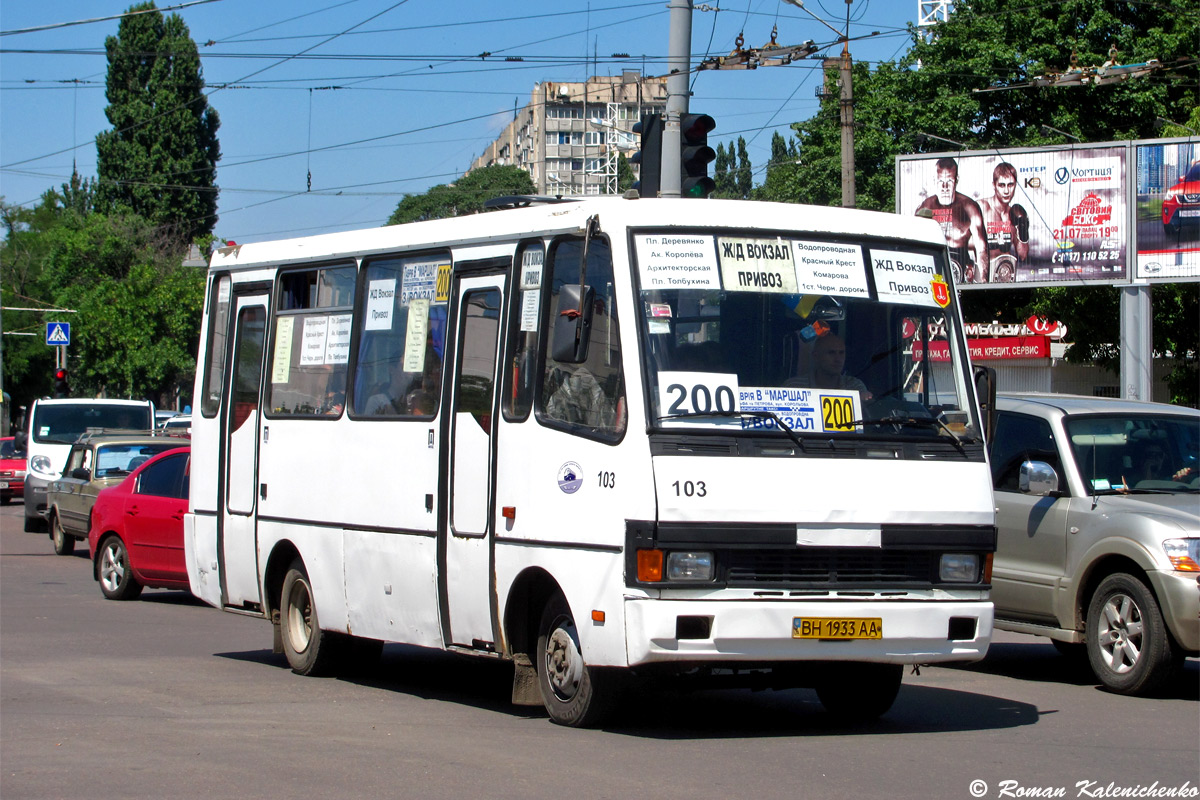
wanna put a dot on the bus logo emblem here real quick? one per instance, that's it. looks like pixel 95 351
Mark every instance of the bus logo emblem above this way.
pixel 570 477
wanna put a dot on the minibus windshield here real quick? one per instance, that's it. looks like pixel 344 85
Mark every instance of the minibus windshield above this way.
pixel 813 336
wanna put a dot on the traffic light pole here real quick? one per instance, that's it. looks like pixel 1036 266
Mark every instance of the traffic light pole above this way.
pixel 679 45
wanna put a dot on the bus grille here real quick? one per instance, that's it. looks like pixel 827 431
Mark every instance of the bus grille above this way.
pixel 832 565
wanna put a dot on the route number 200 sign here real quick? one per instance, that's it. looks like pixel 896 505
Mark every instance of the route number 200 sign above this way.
pixel 686 394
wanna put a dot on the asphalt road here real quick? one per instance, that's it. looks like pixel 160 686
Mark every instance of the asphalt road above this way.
pixel 167 697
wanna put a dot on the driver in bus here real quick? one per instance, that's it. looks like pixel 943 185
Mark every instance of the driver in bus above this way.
pixel 826 367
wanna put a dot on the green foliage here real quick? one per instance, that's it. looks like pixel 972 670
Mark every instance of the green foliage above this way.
pixel 135 330
pixel 625 176
pixel 466 196
pixel 159 160
pixel 732 171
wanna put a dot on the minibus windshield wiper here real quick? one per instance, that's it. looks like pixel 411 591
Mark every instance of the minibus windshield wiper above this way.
pixel 738 415
pixel 918 422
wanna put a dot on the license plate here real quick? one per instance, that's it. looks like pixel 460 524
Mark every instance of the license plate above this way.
pixel 837 628
pixel 1190 212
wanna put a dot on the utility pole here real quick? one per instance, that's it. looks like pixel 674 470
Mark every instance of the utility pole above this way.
pixel 846 116
pixel 679 47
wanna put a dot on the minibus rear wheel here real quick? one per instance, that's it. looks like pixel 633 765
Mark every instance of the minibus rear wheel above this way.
pixel 309 650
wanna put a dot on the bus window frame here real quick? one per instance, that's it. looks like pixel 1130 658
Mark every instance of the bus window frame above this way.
pixel 276 312
pixel 514 334
pixel 210 299
pixel 543 345
pixel 365 263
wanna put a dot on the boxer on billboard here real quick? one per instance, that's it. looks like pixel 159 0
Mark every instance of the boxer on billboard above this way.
pixel 1007 225
pixel 961 221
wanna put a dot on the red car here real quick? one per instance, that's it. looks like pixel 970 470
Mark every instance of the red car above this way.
pixel 1182 201
pixel 12 470
pixel 136 535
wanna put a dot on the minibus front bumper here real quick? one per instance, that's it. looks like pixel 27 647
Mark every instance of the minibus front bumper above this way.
pixel 740 631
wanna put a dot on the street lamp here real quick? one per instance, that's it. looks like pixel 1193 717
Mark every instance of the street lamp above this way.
pixel 1162 122
pixel 1048 129
pixel 923 137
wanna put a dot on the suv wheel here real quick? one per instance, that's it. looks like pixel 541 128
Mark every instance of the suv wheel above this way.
pixel 64 544
pixel 1128 645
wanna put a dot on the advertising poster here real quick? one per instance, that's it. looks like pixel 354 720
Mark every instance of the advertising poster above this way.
pixel 1042 216
pixel 1168 211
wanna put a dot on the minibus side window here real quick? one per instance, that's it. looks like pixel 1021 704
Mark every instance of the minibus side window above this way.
pixel 218 331
pixel 586 397
pixel 521 359
pixel 401 337
pixel 312 342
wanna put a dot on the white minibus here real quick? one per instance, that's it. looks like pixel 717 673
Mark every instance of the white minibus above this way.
pixel 600 438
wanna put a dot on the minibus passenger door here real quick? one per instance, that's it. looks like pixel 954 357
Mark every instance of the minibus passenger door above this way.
pixel 236 538
pixel 466 572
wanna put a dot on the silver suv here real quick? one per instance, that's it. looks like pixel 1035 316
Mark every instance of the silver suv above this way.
pixel 1098 511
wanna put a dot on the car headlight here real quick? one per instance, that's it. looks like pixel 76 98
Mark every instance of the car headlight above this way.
pixel 959 568
pixel 689 566
pixel 1184 554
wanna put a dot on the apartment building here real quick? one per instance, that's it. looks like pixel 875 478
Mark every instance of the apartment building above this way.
pixel 569 135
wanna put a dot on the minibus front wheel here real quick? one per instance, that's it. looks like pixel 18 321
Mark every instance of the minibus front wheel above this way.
pixel 573 693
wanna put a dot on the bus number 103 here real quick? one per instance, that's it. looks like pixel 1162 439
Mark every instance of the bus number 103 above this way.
pixel 690 489
pixel 606 480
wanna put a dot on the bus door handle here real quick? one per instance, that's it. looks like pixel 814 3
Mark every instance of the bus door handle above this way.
pixel 262 491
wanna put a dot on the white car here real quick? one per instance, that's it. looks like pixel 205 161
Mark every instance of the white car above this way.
pixel 1094 547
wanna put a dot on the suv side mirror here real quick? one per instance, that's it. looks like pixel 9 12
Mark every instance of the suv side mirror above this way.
pixel 81 473
pixel 1037 478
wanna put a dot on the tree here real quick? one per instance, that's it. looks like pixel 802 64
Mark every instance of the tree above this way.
pixel 465 196
pixel 159 160
pixel 625 176
pixel 745 173
pixel 723 172
pixel 135 332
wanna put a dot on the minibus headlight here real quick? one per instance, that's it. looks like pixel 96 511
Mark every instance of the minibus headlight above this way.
pixel 690 566
pixel 41 463
pixel 1184 554
pixel 959 568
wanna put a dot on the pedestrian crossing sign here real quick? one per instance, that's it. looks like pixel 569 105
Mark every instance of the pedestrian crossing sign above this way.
pixel 58 333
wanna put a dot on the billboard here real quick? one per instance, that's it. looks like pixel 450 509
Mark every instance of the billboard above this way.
pixel 1034 216
pixel 1168 210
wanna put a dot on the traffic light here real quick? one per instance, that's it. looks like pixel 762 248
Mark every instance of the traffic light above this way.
pixel 649 157
pixel 61 387
pixel 694 155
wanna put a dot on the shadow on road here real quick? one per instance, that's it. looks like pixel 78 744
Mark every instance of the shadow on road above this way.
pixel 649 710
pixel 1040 662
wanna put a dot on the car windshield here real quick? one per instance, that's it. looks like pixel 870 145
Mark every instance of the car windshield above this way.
pixel 1136 453
pixel 811 336
pixel 66 422
pixel 121 459
pixel 8 449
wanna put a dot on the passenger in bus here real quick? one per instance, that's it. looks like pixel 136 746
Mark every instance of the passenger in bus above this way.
pixel 828 359
pixel 335 396
pixel 389 399
pixel 578 398
pixel 422 400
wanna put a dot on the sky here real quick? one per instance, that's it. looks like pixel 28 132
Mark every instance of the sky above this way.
pixel 377 99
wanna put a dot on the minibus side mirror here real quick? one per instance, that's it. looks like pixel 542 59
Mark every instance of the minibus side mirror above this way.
pixel 573 325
